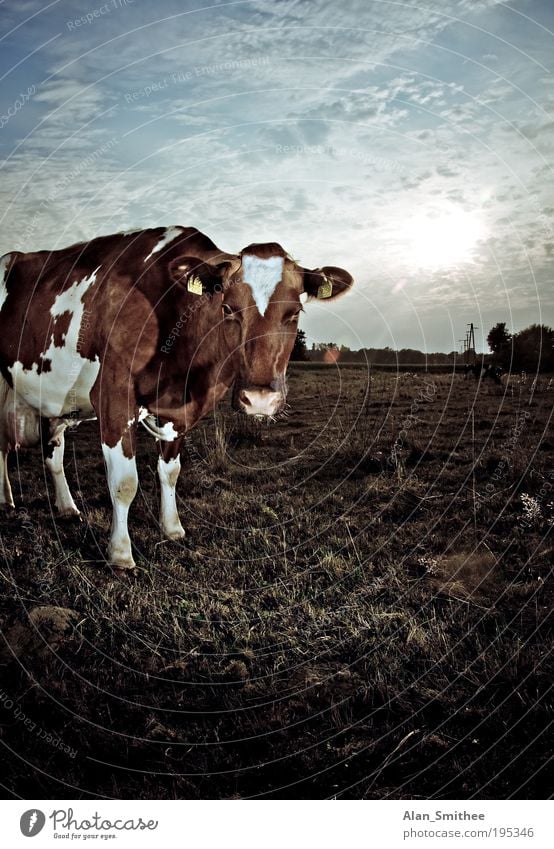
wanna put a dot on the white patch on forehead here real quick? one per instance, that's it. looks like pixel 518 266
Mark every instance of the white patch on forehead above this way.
pixel 262 275
pixel 168 236
pixel 4 263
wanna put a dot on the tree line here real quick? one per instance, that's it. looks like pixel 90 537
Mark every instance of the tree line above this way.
pixel 531 349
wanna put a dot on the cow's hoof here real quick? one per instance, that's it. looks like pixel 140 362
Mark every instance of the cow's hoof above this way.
pixel 123 568
pixel 69 513
pixel 174 534
pixel 121 560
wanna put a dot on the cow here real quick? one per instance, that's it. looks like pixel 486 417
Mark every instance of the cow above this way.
pixel 153 327
pixel 494 373
pixel 480 372
pixel 473 370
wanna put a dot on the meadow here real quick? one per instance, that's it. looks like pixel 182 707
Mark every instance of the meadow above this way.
pixel 361 608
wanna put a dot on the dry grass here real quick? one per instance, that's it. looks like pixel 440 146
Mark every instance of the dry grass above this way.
pixel 361 608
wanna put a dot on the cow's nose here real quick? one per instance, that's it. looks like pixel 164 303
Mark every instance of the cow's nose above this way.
pixel 260 402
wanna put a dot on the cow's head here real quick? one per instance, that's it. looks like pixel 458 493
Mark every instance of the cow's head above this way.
pixel 258 294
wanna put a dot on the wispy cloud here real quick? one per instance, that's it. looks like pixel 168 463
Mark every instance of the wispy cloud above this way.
pixel 355 137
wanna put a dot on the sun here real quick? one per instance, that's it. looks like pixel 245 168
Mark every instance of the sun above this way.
pixel 444 236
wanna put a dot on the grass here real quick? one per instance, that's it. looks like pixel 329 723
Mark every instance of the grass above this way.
pixel 361 607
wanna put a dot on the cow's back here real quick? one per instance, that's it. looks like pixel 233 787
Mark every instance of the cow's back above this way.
pixel 62 312
pixel 53 307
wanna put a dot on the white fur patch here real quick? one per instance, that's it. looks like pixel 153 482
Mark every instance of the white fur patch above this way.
pixel 263 276
pixel 64 500
pixel 142 414
pixel 166 432
pixel 4 262
pixel 119 467
pixel 122 483
pixel 21 423
pixel 66 387
pixel 170 234
pixel 169 518
pixel 71 300
pixel 6 496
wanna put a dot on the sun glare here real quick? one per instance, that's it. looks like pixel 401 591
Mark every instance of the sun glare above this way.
pixel 444 236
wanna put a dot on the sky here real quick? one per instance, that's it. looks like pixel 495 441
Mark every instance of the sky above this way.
pixel 410 143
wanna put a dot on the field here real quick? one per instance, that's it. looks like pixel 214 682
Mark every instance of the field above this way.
pixel 361 607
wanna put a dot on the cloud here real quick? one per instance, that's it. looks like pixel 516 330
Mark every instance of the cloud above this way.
pixel 285 121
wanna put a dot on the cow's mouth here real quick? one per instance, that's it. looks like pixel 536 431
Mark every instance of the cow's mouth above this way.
pixel 261 402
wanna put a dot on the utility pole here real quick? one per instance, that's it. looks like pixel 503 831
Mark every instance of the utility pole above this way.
pixel 470 343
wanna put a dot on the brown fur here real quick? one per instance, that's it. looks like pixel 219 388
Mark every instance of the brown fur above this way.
pixel 265 251
pixel 159 345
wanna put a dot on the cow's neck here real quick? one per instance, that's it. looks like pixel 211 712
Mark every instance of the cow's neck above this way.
pixel 177 390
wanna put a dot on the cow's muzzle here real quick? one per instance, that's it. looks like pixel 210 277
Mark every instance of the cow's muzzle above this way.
pixel 259 400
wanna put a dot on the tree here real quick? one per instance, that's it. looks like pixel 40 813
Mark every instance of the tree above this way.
pixel 533 348
pixel 500 343
pixel 300 351
pixel 499 338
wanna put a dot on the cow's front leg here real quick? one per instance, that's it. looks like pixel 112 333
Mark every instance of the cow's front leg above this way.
pixel 121 468
pixel 53 457
pixel 169 466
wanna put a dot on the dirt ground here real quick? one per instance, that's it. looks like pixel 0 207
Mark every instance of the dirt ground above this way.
pixel 362 607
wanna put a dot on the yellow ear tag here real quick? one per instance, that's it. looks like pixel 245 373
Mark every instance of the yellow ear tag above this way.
pixel 194 285
pixel 326 288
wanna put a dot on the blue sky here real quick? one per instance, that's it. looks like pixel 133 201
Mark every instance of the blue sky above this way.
pixel 409 143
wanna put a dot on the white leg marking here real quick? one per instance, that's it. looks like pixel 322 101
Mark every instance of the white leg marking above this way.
pixel 122 483
pixel 6 497
pixel 64 500
pixel 6 396
pixel 169 517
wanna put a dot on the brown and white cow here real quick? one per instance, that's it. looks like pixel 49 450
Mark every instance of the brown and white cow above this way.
pixel 153 326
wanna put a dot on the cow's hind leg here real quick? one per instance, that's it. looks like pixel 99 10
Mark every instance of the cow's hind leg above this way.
pixel 169 466
pixel 6 497
pixel 53 457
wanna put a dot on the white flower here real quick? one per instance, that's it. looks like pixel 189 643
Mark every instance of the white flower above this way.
pixel 531 507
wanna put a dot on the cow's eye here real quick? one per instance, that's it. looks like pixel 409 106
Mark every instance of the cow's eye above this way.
pixel 228 311
pixel 293 317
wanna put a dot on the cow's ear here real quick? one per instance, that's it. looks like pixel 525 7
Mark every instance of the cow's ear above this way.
pixel 198 277
pixel 327 282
